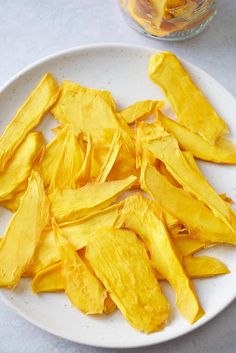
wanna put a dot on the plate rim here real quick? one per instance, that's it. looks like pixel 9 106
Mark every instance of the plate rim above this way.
pixel 56 55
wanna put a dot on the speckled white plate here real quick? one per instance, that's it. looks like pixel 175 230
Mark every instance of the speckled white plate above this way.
pixel 123 70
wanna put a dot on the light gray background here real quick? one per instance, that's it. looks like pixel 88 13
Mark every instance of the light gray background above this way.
pixel 31 29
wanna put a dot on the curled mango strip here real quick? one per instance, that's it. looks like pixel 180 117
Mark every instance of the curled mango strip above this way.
pixel 204 266
pixel 190 105
pixel 187 246
pixel 113 256
pixel 23 233
pixel 140 110
pixel 14 177
pixel 77 233
pixel 27 117
pixel 69 162
pixel 72 204
pixel 81 286
pixel 223 151
pixel 141 215
pixel 168 151
pixel 201 222
pixel 110 159
pixel 201 267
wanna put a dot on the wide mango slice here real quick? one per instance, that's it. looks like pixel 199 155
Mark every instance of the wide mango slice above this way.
pixel 23 233
pixel 201 222
pixel 190 105
pixel 141 215
pixel 140 110
pixel 69 161
pixel 204 266
pixel 81 286
pixel 132 284
pixel 81 107
pixel 77 233
pixel 168 151
pixel 72 204
pixel 14 178
pixel 27 117
pixel 223 151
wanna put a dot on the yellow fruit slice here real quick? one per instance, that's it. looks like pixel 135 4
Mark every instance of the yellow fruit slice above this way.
pixel 201 222
pixel 141 215
pixel 14 177
pixel 23 233
pixel 190 105
pixel 132 284
pixel 73 204
pixel 167 150
pixel 83 289
pixel 27 117
pixel 77 233
pixel 223 151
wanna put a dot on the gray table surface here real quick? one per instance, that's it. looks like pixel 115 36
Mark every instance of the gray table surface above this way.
pixel 31 29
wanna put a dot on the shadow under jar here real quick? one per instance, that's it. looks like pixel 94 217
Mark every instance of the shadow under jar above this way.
pixel 169 19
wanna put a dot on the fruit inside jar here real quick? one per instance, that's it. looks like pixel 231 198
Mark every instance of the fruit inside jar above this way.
pixel 169 19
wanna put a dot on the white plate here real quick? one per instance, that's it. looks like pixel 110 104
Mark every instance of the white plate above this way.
pixel 123 70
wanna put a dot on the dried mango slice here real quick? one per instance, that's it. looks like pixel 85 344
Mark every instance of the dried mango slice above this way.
pixel 77 233
pixel 204 266
pixel 27 117
pixel 52 154
pixel 201 267
pixel 49 279
pixel 132 284
pixel 202 223
pixel 191 161
pixel 73 204
pixel 13 204
pixel 168 151
pixel 140 110
pixel 141 215
pixel 85 170
pixel 223 151
pixel 81 286
pixel 188 246
pixel 23 232
pixel 164 171
pixel 190 105
pixel 81 107
pixel 69 162
pixel 145 133
pixel 110 159
pixel 14 178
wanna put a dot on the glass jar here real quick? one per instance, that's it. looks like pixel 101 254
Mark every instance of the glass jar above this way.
pixel 169 19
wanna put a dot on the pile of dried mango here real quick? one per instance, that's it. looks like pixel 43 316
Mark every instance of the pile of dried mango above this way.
pixel 162 17
pixel 75 228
